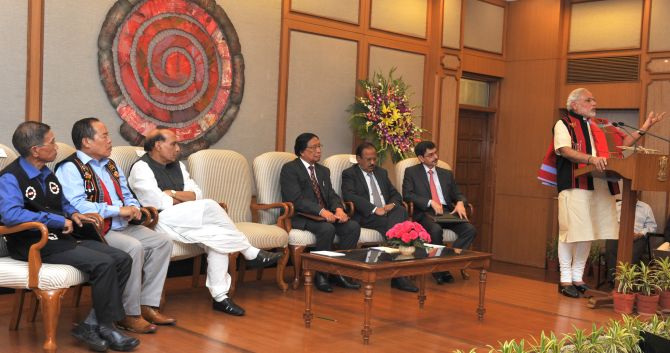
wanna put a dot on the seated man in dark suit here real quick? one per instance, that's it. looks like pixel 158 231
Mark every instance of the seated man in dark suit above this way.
pixel 434 191
pixel 30 192
pixel 318 208
pixel 378 205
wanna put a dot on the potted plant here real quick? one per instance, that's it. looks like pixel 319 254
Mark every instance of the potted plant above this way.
pixel 407 236
pixel 647 296
pixel 623 297
pixel 552 254
pixel 662 266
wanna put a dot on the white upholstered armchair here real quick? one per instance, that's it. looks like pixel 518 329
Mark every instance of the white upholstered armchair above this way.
pixel 225 176
pixel 48 282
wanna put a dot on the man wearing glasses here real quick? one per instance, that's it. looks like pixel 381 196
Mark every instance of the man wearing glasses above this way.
pixel 318 208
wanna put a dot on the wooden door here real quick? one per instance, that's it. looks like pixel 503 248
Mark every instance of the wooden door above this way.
pixel 474 172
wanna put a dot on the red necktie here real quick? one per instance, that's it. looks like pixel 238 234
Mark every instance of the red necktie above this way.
pixel 433 188
pixel 315 187
pixel 108 199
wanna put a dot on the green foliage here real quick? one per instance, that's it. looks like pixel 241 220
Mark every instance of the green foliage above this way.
pixel 627 276
pixel 616 337
pixel 552 249
pixel 662 266
pixel 646 283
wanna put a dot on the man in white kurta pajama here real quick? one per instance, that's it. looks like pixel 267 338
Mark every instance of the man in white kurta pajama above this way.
pixel 160 180
pixel 586 205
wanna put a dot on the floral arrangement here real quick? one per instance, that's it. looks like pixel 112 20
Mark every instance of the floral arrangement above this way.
pixel 384 117
pixel 407 234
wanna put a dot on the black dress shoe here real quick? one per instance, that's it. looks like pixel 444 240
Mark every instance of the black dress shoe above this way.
pixel 89 334
pixel 264 259
pixel 321 283
pixel 228 306
pixel 583 288
pixel 568 291
pixel 116 340
pixel 344 282
pixel 404 284
pixel 447 277
pixel 438 277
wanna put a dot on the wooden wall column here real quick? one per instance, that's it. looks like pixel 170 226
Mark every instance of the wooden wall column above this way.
pixel 34 57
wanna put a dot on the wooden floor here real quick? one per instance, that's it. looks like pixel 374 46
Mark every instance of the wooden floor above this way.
pixel 516 307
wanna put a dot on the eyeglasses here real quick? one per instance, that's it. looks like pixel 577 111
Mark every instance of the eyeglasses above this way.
pixel 52 143
pixel 319 146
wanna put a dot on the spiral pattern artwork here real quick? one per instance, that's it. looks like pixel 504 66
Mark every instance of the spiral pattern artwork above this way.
pixel 172 63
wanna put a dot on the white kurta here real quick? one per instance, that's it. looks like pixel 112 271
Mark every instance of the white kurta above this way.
pixel 201 221
pixel 584 215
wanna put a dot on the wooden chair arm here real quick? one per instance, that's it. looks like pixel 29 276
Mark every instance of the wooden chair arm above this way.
pixel 224 206
pixel 151 216
pixel 349 208
pixel 34 257
pixel 283 217
pixel 312 217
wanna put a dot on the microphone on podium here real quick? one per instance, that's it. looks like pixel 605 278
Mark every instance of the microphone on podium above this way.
pixel 622 124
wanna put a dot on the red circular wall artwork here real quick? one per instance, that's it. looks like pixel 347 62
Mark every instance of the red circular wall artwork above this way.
pixel 172 63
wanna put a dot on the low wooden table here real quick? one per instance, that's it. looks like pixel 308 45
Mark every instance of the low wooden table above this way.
pixel 354 265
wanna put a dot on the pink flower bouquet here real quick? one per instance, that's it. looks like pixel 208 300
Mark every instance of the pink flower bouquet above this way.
pixel 407 234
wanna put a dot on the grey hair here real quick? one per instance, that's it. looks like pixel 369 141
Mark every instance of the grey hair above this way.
pixel 574 96
pixel 27 135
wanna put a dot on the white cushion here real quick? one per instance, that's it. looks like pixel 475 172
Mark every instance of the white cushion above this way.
pixel 182 251
pixel 448 235
pixel 14 274
pixel 263 236
pixel 304 238
pixel 370 236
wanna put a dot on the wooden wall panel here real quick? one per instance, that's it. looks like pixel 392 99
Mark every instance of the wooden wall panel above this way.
pixel 482 63
pixel 483 26
pixel 341 10
pixel 624 95
pixel 319 105
pixel 407 17
pixel 520 227
pixel 524 213
pixel 451 24
pixel 658 100
pixel 659 27
pixel 605 25
pixel 448 115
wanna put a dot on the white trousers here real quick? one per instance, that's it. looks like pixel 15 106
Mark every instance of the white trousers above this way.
pixel 572 259
pixel 215 232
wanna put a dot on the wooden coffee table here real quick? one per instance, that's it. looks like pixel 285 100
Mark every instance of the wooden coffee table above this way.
pixel 354 265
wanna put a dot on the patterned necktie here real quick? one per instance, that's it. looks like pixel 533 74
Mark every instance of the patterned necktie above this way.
pixel 315 187
pixel 433 188
pixel 376 198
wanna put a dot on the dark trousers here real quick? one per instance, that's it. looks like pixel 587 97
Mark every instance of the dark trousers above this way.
pixel 108 270
pixel 349 232
pixel 465 232
pixel 612 248
pixel 382 224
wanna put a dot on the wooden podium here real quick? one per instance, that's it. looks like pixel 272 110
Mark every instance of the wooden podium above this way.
pixel 639 172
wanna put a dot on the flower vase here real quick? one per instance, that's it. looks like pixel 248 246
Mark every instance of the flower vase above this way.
pixel 406 252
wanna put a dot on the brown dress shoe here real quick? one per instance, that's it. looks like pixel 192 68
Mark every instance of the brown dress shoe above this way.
pixel 137 324
pixel 154 316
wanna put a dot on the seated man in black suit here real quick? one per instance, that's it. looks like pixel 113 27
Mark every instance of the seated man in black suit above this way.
pixel 434 191
pixel 378 205
pixel 318 208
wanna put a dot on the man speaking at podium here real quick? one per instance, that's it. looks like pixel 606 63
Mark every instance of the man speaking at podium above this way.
pixel 586 205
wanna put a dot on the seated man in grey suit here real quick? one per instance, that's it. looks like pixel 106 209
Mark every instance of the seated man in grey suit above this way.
pixel 318 208
pixel 377 204
pixel 433 191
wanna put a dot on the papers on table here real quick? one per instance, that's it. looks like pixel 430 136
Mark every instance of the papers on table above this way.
pixel 327 253
pixel 385 249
